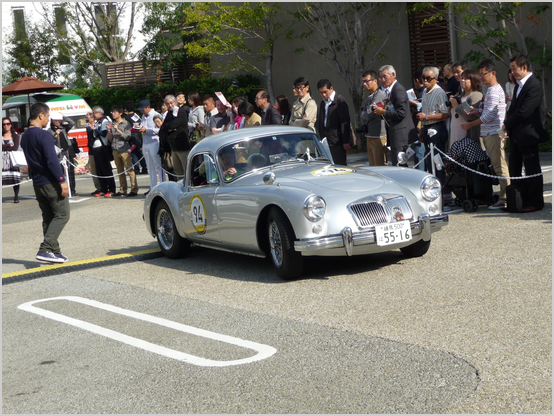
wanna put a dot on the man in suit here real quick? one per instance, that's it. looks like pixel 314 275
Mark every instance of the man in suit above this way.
pixel 400 127
pixel 333 121
pixel 270 114
pixel 525 129
pixel 175 127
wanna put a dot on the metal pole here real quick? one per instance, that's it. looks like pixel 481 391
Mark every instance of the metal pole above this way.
pixel 64 163
pixel 432 148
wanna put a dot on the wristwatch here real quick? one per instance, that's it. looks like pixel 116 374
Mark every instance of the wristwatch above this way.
pixel 425 116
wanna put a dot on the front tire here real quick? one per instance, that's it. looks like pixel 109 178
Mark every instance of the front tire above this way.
pixel 171 243
pixel 417 249
pixel 287 262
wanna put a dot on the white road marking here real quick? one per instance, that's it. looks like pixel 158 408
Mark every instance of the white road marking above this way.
pixel 76 201
pixel 263 351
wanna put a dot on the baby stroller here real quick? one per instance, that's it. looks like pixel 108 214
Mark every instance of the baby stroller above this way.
pixel 470 188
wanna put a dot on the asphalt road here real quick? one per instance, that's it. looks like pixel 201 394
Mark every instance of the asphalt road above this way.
pixel 465 329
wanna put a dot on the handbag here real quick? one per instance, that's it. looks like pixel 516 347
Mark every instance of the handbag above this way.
pixel 18 159
pixel 167 162
pixel 195 137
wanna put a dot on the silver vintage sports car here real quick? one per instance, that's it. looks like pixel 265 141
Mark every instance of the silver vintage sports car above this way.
pixel 271 191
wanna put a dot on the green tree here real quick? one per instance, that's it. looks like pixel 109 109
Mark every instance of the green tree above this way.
pixel 244 36
pixel 163 29
pixel 32 52
pixel 345 36
pixel 92 33
pixel 501 30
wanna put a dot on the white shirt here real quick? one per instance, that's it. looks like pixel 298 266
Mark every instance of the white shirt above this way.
pixel 389 89
pixel 327 104
pixel 522 82
pixel 151 133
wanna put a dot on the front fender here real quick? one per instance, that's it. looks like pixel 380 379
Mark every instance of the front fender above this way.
pixel 170 192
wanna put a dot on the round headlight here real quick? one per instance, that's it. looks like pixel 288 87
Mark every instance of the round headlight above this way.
pixel 314 208
pixel 430 188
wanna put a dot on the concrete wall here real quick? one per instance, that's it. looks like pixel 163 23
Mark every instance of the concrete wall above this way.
pixel 288 65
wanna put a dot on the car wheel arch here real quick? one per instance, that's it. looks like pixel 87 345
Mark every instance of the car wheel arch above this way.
pixel 261 227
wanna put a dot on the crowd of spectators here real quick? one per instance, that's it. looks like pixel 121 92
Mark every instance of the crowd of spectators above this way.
pixel 444 106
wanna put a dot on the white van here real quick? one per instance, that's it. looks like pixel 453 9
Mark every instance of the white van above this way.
pixel 70 105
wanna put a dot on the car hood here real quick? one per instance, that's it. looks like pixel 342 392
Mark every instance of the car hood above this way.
pixel 336 178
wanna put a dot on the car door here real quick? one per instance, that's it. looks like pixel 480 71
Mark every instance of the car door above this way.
pixel 197 206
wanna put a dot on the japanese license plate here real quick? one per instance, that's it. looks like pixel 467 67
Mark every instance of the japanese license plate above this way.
pixel 394 233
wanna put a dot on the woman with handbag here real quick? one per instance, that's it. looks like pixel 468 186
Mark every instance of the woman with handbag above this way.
pixel 196 115
pixel 10 143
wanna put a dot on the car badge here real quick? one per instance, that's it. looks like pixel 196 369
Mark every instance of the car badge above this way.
pixel 380 200
pixel 397 214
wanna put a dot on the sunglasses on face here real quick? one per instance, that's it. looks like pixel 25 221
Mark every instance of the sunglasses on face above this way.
pixel 6 124
pixel 428 79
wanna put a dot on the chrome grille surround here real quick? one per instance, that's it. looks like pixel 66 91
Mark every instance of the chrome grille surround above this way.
pixel 378 210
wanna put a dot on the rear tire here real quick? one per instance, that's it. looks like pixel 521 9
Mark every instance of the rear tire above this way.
pixel 417 249
pixel 170 241
pixel 287 262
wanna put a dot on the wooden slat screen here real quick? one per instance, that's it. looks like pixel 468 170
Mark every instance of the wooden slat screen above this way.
pixel 129 74
pixel 429 44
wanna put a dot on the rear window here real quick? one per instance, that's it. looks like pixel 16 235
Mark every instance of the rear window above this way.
pixel 79 122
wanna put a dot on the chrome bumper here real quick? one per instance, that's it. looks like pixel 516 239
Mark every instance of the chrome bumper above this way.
pixel 347 239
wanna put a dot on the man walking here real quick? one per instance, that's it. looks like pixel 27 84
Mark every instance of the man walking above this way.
pixel 525 129
pixel 333 121
pixel 49 183
pixel 304 109
pixel 492 114
pixel 400 127
pixel 375 129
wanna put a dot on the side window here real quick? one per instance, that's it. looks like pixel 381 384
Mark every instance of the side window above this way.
pixel 203 171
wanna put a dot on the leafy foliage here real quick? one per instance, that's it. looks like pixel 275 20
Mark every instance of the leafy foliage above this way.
pixel 244 35
pixel 108 97
pixel 343 33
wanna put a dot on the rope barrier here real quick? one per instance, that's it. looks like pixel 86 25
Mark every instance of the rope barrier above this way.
pixel 113 176
pixel 486 174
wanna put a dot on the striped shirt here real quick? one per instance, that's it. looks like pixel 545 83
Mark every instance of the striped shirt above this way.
pixel 433 102
pixel 493 110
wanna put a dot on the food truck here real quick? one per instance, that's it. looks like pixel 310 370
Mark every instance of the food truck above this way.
pixel 70 105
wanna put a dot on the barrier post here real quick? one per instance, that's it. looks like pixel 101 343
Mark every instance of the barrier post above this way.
pixel 64 163
pixel 432 148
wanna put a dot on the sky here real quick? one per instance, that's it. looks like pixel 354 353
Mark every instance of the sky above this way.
pixel 31 13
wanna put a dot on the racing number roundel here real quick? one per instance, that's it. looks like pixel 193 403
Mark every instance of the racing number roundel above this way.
pixel 198 214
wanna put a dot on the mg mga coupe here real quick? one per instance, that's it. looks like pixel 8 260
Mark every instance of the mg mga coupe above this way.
pixel 273 192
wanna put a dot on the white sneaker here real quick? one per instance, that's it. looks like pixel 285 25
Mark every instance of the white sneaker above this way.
pixel 498 205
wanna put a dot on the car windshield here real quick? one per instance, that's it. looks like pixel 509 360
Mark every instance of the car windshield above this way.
pixel 240 158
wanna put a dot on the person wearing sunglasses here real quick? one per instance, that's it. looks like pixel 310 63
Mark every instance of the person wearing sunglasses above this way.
pixel 433 115
pixel 10 143
pixel 304 109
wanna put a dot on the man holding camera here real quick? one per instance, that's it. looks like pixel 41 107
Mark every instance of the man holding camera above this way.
pixel 374 129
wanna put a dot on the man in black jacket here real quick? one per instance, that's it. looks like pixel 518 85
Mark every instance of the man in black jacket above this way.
pixel 270 114
pixel 524 127
pixel 59 127
pixel 136 140
pixel 333 121
pixel 401 130
pixel 175 129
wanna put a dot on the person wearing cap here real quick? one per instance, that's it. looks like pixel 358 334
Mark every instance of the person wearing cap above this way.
pixel 151 143
pixel 59 127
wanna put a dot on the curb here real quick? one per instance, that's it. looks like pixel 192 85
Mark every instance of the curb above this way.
pixel 73 266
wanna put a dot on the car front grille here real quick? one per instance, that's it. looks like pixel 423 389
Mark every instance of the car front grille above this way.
pixel 367 214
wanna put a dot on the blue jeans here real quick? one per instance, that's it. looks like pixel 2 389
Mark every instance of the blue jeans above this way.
pixel 419 149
